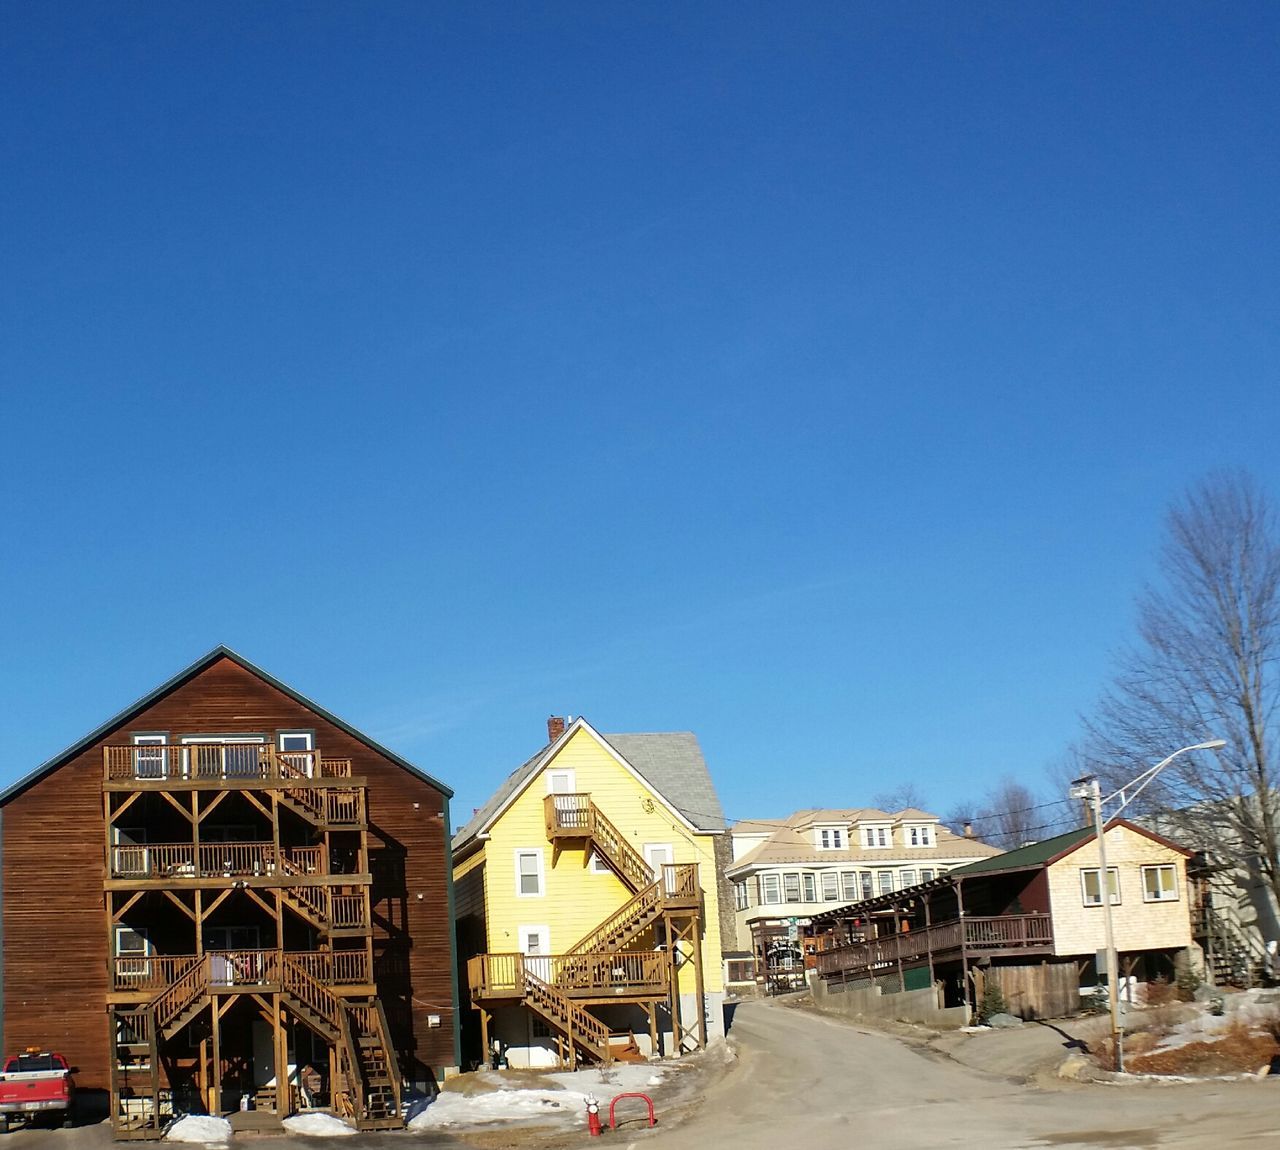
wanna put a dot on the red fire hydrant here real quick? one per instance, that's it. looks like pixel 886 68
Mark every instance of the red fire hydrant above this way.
pixel 593 1116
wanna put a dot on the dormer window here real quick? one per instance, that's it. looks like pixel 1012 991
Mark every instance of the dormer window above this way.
pixel 830 839
pixel 877 837
pixel 920 836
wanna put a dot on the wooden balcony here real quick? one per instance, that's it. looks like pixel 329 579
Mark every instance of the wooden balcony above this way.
pixel 625 974
pixel 218 766
pixel 135 977
pixel 179 864
pixel 1018 934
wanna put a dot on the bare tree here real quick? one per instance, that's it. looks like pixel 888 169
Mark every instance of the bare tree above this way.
pixel 900 798
pixel 1006 816
pixel 1206 664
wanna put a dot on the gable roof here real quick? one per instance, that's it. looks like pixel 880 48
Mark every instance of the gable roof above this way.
pixel 670 762
pixel 183 676
pixel 1049 851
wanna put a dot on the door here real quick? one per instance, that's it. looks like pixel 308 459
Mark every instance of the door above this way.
pixel 235 956
pixel 132 954
pixel 535 945
pixel 658 855
pixel 129 855
pixel 297 752
pixel 150 757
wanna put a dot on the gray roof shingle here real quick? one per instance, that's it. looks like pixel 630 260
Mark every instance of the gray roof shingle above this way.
pixel 670 762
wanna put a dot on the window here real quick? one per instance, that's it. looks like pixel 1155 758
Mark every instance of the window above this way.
pixel 598 865
pixel 529 873
pixel 1159 884
pixel 770 888
pixel 920 836
pixel 132 949
pixel 150 756
pixel 791 887
pixel 741 970
pixel 849 885
pixel 537 1028
pixel 810 887
pixel 877 837
pixel 885 878
pixel 926 875
pixel 830 839
pixel 908 878
pixel 741 899
pixel 1092 888
pixel 830 886
pixel 868 889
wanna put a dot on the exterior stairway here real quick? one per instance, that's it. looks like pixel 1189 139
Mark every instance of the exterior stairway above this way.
pixel 582 1030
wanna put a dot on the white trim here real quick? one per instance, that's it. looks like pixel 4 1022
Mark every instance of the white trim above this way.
pixel 1103 888
pixel 541 968
pixel 649 848
pixel 542 878
pixel 151 740
pixel 1172 867
pixel 581 724
pixel 597 865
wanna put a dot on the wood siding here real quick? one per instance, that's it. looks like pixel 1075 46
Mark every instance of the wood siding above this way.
pixel 55 930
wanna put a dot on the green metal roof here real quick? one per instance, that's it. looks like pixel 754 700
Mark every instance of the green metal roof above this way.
pixel 183 676
pixel 1025 858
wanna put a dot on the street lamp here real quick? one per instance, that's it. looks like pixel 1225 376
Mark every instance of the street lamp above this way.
pixel 1089 788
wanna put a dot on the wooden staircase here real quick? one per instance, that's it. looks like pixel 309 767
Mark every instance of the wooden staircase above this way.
pixel 583 1031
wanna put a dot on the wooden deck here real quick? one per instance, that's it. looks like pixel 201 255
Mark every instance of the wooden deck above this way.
pixel 627 975
pixel 1001 936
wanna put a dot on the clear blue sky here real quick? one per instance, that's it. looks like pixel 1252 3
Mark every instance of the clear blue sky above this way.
pixel 811 377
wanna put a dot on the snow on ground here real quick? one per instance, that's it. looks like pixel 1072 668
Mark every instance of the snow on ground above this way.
pixel 318 1125
pixel 1252 1008
pixel 564 1099
pixel 200 1128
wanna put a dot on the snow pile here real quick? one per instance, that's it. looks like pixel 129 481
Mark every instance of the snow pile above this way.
pixel 200 1128
pixel 1252 1009
pixel 500 1106
pixel 318 1125
pixel 564 1100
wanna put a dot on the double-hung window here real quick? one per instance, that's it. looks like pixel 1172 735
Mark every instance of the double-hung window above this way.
pixel 810 887
pixel 529 873
pixel 868 881
pixel 1091 885
pixel 791 887
pixel 849 885
pixel 885 879
pixel 741 898
pixel 830 886
pixel 1160 883
pixel 908 878
pixel 770 888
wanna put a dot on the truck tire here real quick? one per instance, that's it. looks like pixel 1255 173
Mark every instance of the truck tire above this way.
pixel 4 1124
pixel 66 1120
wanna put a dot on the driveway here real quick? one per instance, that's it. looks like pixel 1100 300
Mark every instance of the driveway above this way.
pixel 809 1080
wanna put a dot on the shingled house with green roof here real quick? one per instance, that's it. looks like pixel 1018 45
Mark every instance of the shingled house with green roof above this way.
pixel 1031 919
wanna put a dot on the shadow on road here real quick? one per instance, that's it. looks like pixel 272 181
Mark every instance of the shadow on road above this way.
pixel 1071 1043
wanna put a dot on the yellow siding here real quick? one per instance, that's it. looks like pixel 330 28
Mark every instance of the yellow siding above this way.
pixel 575 899
pixel 1139 925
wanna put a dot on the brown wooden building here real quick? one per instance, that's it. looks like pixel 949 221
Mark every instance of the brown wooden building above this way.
pixel 222 885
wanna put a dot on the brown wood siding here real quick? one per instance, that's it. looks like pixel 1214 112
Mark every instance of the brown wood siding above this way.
pixel 55 936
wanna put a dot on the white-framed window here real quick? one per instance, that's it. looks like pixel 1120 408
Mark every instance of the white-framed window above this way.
pixel 129 854
pixel 1091 887
pixel 849 885
pixel 597 865
pixel 885 880
pixel 1160 883
pixel 877 838
pixel 741 897
pixel 868 883
pixel 770 888
pixel 829 839
pixel 132 952
pixel 791 887
pixel 830 886
pixel 810 886
pixel 920 836
pixel 561 781
pixel 529 876
pixel 150 756
pixel 908 878
pixel 926 875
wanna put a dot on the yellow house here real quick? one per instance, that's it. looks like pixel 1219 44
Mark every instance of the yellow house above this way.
pixel 588 904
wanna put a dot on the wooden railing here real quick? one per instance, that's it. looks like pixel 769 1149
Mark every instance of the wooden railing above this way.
pixel 151 973
pixel 576 816
pixel 578 1024
pixel 184 860
pixel 232 761
pixel 339 806
pixel 189 984
pixel 296 979
pixel 1003 932
pixel 347 910
pixel 615 972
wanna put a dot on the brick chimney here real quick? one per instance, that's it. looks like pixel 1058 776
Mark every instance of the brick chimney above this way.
pixel 555 728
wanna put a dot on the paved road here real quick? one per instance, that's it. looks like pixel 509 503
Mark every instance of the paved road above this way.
pixel 805 1081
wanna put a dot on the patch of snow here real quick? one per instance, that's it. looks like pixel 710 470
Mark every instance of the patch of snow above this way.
pixel 318 1125
pixel 606 1085
pixel 451 1109
pixel 200 1128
